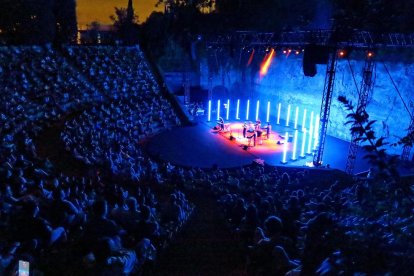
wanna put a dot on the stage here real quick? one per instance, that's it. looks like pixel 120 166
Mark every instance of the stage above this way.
pixel 202 146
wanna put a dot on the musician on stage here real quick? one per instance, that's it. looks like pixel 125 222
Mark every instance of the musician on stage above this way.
pixel 268 128
pixel 258 130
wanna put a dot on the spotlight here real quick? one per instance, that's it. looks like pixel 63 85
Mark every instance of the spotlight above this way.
pixel 284 52
pixel 342 53
pixel 297 52
pixel 370 54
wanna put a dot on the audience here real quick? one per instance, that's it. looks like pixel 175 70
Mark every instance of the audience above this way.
pixel 115 219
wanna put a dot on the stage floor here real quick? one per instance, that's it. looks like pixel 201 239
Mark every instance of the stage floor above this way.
pixel 201 146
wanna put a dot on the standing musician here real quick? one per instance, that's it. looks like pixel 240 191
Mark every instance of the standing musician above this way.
pixel 268 127
pixel 258 129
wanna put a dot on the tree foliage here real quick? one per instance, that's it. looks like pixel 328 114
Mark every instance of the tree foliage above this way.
pixel 37 21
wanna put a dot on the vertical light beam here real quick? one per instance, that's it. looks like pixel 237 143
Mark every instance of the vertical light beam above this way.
pixel 268 112
pixel 304 121
pixel 238 110
pixel 288 116
pixel 257 110
pixel 247 110
pixel 295 142
pixel 302 151
pixel 218 109
pixel 285 148
pixel 316 133
pixel 279 108
pixel 228 109
pixel 209 110
pixel 296 117
pixel 309 151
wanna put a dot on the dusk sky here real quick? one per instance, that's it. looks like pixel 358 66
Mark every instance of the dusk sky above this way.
pixel 100 10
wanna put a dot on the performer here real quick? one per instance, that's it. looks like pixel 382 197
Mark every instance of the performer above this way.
pixel 221 123
pixel 244 129
pixel 268 128
pixel 258 130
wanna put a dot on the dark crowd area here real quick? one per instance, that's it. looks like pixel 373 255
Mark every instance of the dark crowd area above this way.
pixel 79 195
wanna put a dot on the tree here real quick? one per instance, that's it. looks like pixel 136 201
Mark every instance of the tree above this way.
pixel 125 22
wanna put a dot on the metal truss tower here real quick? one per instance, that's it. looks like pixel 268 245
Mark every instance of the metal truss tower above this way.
pixel 326 105
pixel 364 93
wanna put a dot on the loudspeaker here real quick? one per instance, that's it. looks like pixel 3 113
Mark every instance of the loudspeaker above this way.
pixel 314 54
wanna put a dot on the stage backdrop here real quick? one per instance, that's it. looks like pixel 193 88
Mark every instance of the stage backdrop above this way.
pixel 286 83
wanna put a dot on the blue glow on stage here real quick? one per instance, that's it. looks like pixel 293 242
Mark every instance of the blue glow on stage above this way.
pixel 302 151
pixel 310 135
pixel 209 110
pixel 228 109
pixel 238 110
pixel 285 147
pixel 288 116
pixel 304 121
pixel 268 112
pixel 218 109
pixel 257 110
pixel 279 108
pixel 247 110
pixel 296 117
pixel 295 142
pixel 316 142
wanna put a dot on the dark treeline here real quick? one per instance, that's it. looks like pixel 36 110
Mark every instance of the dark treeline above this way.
pixel 37 21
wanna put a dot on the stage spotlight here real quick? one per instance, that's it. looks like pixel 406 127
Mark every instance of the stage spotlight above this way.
pixel 228 109
pixel 370 54
pixel 302 150
pixel 279 108
pixel 296 117
pixel 297 52
pixel 218 109
pixel 295 142
pixel 257 110
pixel 247 110
pixel 268 112
pixel 288 116
pixel 209 110
pixel 238 110
pixel 284 52
pixel 285 148
pixel 304 121
pixel 316 135
pixel 310 135
pixel 341 53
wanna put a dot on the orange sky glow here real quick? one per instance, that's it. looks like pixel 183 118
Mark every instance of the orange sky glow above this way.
pixel 100 10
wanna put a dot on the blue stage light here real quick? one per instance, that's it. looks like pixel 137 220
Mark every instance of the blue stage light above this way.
pixel 238 109
pixel 279 108
pixel 209 110
pixel 247 110
pixel 296 117
pixel 304 121
pixel 218 109
pixel 302 151
pixel 316 133
pixel 295 142
pixel 228 109
pixel 288 116
pixel 310 135
pixel 285 148
pixel 257 110
pixel 268 112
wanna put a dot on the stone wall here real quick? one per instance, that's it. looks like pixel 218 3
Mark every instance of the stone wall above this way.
pixel 286 83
